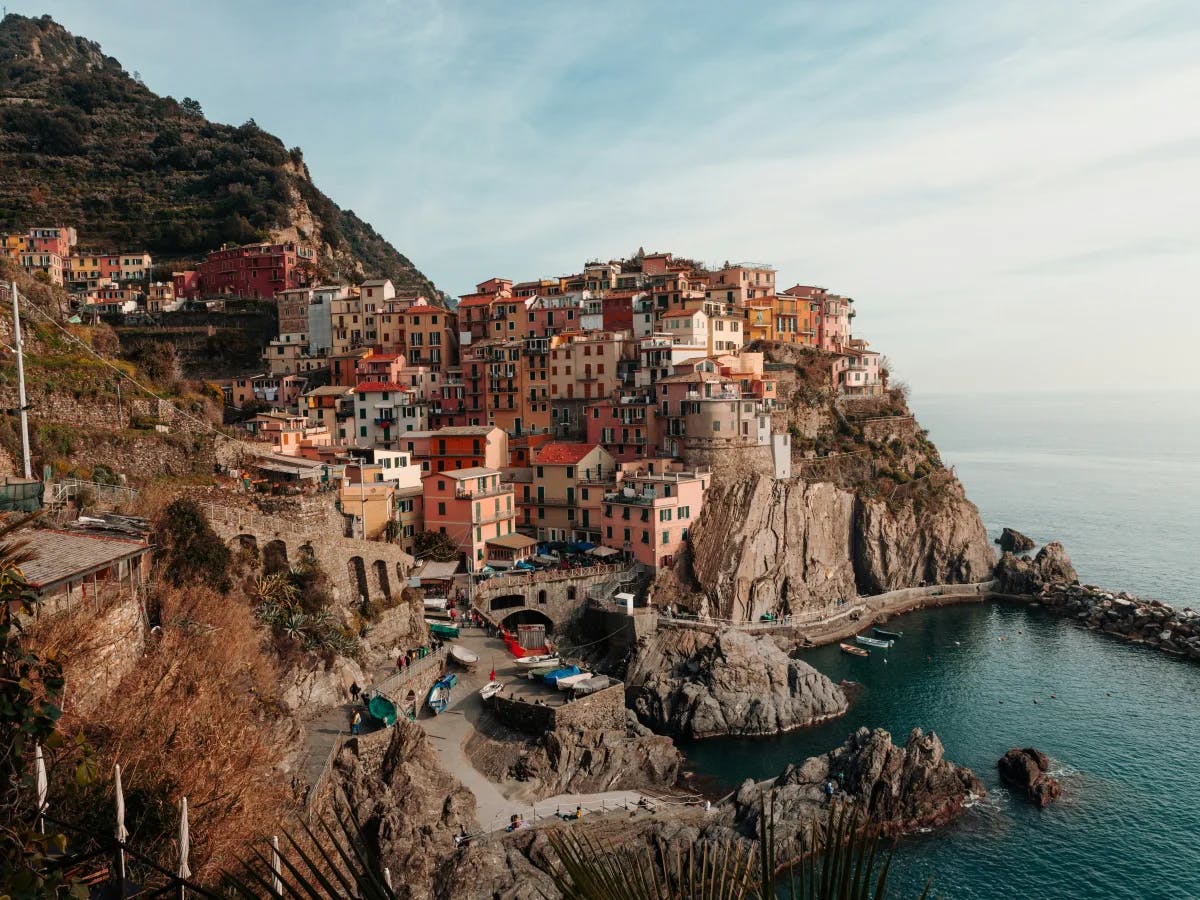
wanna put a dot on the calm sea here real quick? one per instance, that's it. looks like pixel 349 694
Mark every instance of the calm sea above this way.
pixel 1117 480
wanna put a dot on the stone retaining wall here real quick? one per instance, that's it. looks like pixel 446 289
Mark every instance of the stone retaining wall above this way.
pixel 602 710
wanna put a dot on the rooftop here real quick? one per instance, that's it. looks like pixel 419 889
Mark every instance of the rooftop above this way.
pixel 373 386
pixel 61 556
pixel 473 472
pixel 563 453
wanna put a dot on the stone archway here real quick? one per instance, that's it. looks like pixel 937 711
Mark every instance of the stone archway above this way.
pixel 275 557
pixel 357 571
pixel 506 601
pixel 381 578
pixel 527 617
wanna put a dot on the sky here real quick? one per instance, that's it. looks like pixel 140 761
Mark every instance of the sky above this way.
pixel 1009 190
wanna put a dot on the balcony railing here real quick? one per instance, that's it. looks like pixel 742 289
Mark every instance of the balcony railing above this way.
pixel 490 517
pixel 465 494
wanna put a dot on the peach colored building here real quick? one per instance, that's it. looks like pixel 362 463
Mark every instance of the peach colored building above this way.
pixel 458 447
pixel 431 334
pixel 562 500
pixel 471 507
pixel 584 365
pixel 650 513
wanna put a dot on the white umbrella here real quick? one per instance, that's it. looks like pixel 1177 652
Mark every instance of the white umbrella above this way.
pixel 43 785
pixel 184 843
pixel 122 834
pixel 276 881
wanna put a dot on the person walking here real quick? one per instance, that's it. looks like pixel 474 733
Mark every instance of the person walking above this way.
pixel 356 723
pixel 355 690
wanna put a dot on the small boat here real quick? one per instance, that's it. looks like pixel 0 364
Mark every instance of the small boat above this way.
pixel 463 656
pixel 439 694
pixel 442 629
pixel 545 659
pixel 535 674
pixel 491 689
pixel 571 680
pixel 873 642
pixel 551 678
pixel 888 635
pixel 435 603
pixel 382 709
pixel 591 685
pixel 854 651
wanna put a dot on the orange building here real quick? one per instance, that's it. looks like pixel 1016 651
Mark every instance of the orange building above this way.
pixel 471 507
pixel 432 337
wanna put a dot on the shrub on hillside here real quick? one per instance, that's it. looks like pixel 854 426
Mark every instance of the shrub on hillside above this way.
pixel 191 551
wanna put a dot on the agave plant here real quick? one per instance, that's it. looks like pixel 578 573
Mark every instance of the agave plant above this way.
pixel 276 589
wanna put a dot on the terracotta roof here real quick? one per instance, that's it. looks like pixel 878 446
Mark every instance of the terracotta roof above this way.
pixel 686 314
pixel 563 453
pixel 364 386
pixel 381 357
pixel 474 300
pixel 425 308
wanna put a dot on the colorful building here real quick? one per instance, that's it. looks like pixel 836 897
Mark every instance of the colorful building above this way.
pixel 250 271
pixel 562 500
pixel 471 507
pixel 649 513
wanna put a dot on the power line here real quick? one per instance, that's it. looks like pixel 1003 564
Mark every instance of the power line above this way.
pixel 123 374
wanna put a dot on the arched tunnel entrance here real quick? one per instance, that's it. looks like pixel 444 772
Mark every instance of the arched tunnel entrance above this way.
pixel 527 617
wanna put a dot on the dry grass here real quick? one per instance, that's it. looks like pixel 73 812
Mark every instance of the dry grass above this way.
pixel 196 717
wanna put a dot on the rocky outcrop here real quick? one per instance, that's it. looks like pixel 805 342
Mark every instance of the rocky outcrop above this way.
pixel 587 761
pixel 314 685
pixel 1021 575
pixel 1012 541
pixel 703 685
pixel 763 545
pixel 899 788
pixel 1026 770
pixel 408 805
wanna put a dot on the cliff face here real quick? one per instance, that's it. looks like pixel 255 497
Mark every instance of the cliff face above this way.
pixel 767 546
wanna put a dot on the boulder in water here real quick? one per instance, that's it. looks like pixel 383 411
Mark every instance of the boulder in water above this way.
pixel 1026 770
pixel 1021 575
pixel 1012 541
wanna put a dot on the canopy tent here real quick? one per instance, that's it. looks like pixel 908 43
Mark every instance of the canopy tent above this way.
pixel 603 552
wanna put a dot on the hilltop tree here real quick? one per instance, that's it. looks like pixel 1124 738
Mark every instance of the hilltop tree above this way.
pixel 192 551
pixel 191 107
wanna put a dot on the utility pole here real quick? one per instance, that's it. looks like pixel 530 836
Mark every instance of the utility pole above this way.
pixel 24 409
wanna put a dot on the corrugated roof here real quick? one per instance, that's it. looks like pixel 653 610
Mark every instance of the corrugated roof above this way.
pixel 61 555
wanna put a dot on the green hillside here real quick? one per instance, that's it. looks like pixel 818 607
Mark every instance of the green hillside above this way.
pixel 83 142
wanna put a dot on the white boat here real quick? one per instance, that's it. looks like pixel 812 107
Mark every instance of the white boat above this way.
pixel 435 602
pixel 593 684
pixel 533 662
pixel 873 642
pixel 463 656
pixel 491 689
pixel 571 680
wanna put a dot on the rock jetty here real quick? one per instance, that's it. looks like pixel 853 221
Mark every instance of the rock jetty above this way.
pixel 901 788
pixel 1027 770
pixel 732 684
pixel 1012 541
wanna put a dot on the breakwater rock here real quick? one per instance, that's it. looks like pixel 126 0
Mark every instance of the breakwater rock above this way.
pixel 704 685
pixel 1149 622
pixel 1022 575
pixel 1027 770
pixel 900 788
pixel 1012 541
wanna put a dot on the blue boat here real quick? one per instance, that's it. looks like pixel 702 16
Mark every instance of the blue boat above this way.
pixel 887 635
pixel 551 678
pixel 873 642
pixel 439 694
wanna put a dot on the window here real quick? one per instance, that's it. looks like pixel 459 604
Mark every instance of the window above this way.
pixel 362 412
pixel 664 515
pixel 645 536
pixel 571 593
pixel 570 471
pixel 362 431
pixel 716 425
pixel 441 509
pixel 541 598
pixel 666 537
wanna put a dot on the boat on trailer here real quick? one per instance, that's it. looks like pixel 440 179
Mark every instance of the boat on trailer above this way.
pixel 439 694
pixel 543 659
pixel 464 657
pixel 887 635
pixel 873 642
pixel 854 651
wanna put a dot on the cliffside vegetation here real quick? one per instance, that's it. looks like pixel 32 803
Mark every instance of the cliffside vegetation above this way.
pixel 83 142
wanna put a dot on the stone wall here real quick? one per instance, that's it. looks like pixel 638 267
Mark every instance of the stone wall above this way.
pixel 886 428
pixel 619 628
pixel 602 710
pixel 548 592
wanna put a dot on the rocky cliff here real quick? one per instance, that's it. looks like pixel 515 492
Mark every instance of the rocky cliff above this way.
pixel 763 545
pixel 699 685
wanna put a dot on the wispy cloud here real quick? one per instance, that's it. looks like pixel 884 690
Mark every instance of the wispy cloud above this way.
pixel 980 176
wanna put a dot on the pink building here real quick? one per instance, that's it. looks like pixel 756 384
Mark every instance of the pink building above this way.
pixel 623 425
pixel 651 512
pixel 380 367
pixel 471 507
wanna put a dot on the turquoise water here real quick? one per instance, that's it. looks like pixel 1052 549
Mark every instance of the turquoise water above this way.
pixel 1118 481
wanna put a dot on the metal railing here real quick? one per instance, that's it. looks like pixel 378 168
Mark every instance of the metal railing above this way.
pixel 398 679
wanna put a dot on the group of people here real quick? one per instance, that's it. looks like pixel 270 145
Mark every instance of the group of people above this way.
pixel 408 657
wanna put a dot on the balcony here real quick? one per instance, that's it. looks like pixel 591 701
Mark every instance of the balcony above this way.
pixel 560 502
pixel 490 517
pixel 385 422
pixel 636 499
pixel 465 494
